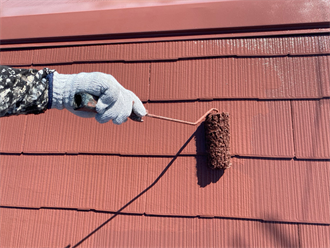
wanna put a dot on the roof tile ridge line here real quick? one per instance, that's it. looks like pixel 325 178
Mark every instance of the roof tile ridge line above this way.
pixel 17 65
pixel 162 215
pixel 254 157
pixel 174 59
pixel 11 153
pixel 236 99
pixel 234 218
pixel 312 159
pixel 69 153
pixel 55 63
pixel 67 209
pixel 162 156
pixel 280 158
pixel 148 155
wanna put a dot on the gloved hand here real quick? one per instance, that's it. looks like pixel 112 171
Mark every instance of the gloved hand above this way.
pixel 115 102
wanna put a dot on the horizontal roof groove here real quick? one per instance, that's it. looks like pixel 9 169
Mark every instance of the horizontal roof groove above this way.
pixel 183 58
pixel 312 159
pixel 16 64
pixel 11 153
pixel 69 63
pixel 317 54
pixel 262 158
pixel 175 59
pixel 250 157
pixel 281 158
pixel 240 99
pixel 163 215
pixel 20 207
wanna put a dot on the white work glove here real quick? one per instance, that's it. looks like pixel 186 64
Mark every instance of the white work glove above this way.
pixel 115 102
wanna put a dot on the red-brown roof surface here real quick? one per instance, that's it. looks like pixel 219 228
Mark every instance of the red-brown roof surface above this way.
pixel 65 180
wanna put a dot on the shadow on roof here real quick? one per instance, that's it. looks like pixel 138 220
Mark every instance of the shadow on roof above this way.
pixel 205 175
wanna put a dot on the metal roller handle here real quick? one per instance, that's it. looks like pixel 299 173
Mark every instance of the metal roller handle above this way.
pixel 87 102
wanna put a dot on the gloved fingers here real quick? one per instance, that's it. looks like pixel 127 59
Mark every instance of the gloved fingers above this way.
pixel 107 115
pixel 106 101
pixel 138 107
pixel 109 95
pixel 120 119
pixel 110 114
pixel 126 103
pixel 117 112
pixel 107 112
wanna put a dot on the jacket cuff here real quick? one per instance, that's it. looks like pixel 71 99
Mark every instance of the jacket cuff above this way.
pixel 61 87
pixel 50 90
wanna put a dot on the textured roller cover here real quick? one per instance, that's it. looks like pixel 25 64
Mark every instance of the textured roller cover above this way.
pixel 217 136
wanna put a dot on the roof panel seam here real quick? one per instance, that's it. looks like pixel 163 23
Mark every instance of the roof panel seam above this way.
pixel 182 58
pixel 252 157
pixel 162 215
pixel 45 153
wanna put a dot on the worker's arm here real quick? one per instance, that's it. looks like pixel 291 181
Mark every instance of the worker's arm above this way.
pixel 29 91
pixel 23 91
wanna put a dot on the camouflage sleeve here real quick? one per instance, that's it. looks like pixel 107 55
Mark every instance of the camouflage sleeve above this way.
pixel 24 91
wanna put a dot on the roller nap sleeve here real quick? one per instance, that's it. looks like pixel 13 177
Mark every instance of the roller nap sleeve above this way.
pixel 217 137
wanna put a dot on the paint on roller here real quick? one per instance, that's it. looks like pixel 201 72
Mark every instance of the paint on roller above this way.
pixel 217 135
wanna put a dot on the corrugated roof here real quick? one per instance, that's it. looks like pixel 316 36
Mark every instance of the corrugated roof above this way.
pixel 259 128
pixel 314 236
pixel 65 228
pixel 311 122
pixel 46 227
pixel 64 177
pixel 172 50
pixel 230 77
pixel 252 189
pixel 12 142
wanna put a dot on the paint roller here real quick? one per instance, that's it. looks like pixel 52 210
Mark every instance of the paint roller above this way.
pixel 216 126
